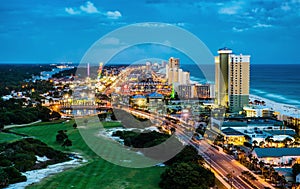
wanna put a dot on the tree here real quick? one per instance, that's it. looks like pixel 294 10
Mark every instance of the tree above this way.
pixel 85 121
pixel 1 126
pixel 262 143
pixel 255 143
pixel 102 116
pixel 287 141
pixel 261 164
pixel 67 143
pixel 173 130
pixel 187 154
pixel 55 115
pixel 44 113
pixel 274 177
pixel 282 181
pixel 4 181
pixel 61 136
pixel 269 140
pixel 265 172
pixel 296 169
pixel 187 175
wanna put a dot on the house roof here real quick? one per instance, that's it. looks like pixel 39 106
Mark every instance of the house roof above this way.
pixel 234 124
pixel 290 132
pixel 276 152
pixel 232 132
pixel 138 96
pixel 155 95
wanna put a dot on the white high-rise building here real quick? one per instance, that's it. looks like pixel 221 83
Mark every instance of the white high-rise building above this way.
pixel 176 75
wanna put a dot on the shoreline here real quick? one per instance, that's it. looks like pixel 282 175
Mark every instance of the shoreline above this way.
pixel 283 109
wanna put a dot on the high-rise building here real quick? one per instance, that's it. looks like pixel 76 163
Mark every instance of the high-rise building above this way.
pixel 173 62
pixel 176 75
pixel 185 91
pixel 148 66
pixel 204 91
pixel 88 70
pixel 232 79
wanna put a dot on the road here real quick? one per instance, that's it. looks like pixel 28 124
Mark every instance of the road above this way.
pixel 222 163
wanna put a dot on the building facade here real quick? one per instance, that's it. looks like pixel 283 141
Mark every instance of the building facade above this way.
pixel 204 91
pixel 185 91
pixel 232 79
pixel 176 75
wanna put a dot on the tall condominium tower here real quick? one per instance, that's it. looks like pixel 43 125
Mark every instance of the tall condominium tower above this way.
pixel 176 75
pixel 173 62
pixel 232 79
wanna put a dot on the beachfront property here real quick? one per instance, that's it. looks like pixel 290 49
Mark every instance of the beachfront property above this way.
pixel 263 132
pixel 176 75
pixel 252 123
pixel 232 77
pixel 258 111
pixel 277 156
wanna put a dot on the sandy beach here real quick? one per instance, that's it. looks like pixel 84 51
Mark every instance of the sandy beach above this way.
pixel 283 109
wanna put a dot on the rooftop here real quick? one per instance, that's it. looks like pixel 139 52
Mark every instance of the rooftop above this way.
pixel 276 152
pixel 232 132
pixel 289 132
pixel 138 96
pixel 155 95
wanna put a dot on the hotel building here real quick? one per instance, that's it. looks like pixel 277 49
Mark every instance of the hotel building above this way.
pixel 232 79
pixel 176 75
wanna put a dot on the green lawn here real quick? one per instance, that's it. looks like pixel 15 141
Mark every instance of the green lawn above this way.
pixel 108 125
pixel 97 173
pixel 7 137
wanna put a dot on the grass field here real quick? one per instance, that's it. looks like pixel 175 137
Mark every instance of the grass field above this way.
pixel 97 173
pixel 7 137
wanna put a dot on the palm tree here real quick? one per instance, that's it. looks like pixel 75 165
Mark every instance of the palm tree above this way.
pixel 287 141
pixel 254 162
pixel 269 140
pixel 275 177
pixel 261 165
pixel 265 173
pixel 255 143
pixel 282 181
pixel 261 144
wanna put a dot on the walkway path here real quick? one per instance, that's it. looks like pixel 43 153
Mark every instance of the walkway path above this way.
pixel 21 125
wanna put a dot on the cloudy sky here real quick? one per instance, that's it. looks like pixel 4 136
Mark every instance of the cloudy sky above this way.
pixel 35 31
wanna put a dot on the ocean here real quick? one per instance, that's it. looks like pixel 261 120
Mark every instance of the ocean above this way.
pixel 279 83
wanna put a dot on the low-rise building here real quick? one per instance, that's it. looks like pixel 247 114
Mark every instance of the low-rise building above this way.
pixel 258 111
pixel 155 102
pixel 298 178
pixel 138 101
pixel 232 136
pixel 252 123
pixel 277 156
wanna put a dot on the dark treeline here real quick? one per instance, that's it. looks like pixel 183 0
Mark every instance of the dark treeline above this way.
pixel 13 112
pixel 12 75
pixel 20 156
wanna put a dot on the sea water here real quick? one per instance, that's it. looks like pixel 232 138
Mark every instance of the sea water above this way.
pixel 276 82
